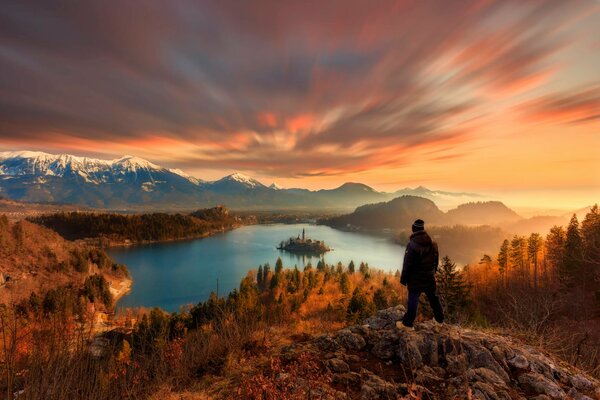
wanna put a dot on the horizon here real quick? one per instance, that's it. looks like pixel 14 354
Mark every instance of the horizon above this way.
pixel 497 98
pixel 526 205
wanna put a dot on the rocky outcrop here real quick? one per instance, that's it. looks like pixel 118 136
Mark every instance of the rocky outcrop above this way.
pixel 377 360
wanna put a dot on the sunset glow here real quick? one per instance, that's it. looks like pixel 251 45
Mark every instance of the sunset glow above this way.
pixel 495 97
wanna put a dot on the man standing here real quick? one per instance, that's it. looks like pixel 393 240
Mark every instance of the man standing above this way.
pixel 418 273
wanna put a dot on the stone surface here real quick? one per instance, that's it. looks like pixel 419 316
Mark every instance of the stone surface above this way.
pixel 376 360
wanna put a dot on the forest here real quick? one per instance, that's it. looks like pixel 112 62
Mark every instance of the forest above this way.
pixel 544 290
pixel 137 227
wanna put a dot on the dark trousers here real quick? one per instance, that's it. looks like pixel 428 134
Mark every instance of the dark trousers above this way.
pixel 413 303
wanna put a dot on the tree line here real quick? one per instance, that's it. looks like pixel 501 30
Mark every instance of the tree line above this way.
pixel 136 227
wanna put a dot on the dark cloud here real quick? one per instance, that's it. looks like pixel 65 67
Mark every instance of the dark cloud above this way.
pixel 287 79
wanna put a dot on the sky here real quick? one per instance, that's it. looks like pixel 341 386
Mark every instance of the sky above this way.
pixel 497 97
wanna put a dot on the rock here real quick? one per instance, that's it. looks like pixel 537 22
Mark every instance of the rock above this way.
pixel 374 387
pixel 350 341
pixel 337 365
pixel 574 394
pixel 347 379
pixel 326 343
pixel 518 362
pixel 385 318
pixel 538 384
pixel 408 352
pixel 385 347
pixel 581 383
pixel 376 360
pixel 484 391
pixel 486 376
pixel 482 358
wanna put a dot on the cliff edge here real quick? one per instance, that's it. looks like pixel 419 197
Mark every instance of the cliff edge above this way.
pixel 377 360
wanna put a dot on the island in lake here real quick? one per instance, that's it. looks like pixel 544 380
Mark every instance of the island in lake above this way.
pixel 303 245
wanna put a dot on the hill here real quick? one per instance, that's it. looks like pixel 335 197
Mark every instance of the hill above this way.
pixel 482 213
pixel 399 212
pixel 114 229
pixel 34 259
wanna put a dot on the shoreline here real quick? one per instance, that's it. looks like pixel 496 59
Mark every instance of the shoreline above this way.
pixel 114 244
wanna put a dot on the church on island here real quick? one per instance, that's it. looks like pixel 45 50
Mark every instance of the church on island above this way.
pixel 302 245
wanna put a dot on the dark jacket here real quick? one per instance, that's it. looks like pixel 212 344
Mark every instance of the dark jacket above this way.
pixel 421 261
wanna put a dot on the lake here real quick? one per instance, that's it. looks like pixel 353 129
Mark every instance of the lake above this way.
pixel 172 274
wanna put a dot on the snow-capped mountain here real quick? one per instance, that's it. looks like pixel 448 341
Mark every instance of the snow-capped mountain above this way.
pixel 131 181
pixel 91 170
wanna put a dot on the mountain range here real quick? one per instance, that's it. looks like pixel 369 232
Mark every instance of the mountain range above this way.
pixel 402 211
pixel 132 182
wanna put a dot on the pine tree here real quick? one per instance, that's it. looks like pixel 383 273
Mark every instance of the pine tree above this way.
pixel 380 299
pixel 454 291
pixel 590 232
pixel 517 252
pixel 570 273
pixel 503 262
pixel 278 265
pixel 555 249
pixel 259 276
pixel 359 307
pixel 344 284
pixel 274 281
pixel 534 245
pixel 320 265
pixel 351 267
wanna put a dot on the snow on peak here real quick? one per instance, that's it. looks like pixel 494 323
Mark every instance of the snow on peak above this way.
pixel 89 169
pixel 135 162
pixel 190 178
pixel 241 178
pixel 275 186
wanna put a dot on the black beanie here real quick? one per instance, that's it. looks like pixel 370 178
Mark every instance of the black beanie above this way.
pixel 418 225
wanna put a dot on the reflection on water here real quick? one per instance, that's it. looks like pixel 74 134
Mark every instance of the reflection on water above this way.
pixel 172 274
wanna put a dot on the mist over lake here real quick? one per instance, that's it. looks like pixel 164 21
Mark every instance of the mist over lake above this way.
pixel 172 274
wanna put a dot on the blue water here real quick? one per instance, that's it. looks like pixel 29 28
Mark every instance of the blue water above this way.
pixel 173 274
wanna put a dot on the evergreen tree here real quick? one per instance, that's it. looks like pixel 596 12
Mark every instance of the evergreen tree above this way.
pixel 259 276
pixel 571 272
pixel 359 307
pixel 351 267
pixel 555 248
pixel 364 269
pixel 274 281
pixel 590 232
pixel 380 299
pixel 503 262
pixel 454 290
pixel 320 265
pixel 344 284
pixel 534 245
pixel 278 265
pixel 517 253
